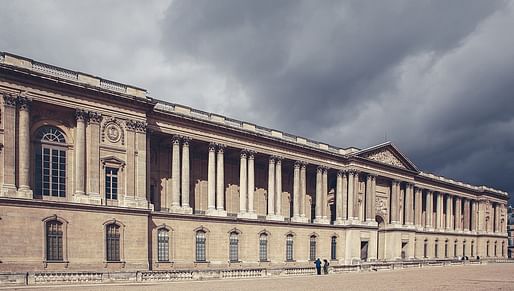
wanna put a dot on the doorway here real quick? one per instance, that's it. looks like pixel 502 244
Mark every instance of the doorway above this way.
pixel 364 251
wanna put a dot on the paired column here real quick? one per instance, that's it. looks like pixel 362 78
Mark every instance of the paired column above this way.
pixel 409 204
pixel 473 218
pixel 351 208
pixel 321 195
pixel 466 215
pixel 370 197
pixel 180 172
pixel 449 201
pixel 216 183
pixel 246 185
pixel 429 209
pixel 299 192
pixel 439 210
pixel 458 213
pixel 211 180
pixel 220 181
pixel 340 209
pixel 395 201
pixel 274 179
pixel 418 206
pixel 93 175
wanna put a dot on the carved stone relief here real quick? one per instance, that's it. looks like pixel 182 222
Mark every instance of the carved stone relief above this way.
pixel 385 157
pixel 112 131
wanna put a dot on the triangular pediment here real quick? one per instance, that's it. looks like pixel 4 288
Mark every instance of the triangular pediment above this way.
pixel 387 154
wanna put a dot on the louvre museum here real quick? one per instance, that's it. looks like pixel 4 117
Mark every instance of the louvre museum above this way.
pixel 96 175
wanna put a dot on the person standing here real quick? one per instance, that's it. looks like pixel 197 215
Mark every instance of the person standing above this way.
pixel 325 266
pixel 317 262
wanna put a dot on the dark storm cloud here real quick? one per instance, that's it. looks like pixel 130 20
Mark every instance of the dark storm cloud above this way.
pixel 436 77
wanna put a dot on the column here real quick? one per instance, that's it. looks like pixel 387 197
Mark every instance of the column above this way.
pixel 458 208
pixel 357 211
pixel 140 164
pixel 439 210
pixel 9 149
pixel 394 201
pixel 324 196
pixel 278 188
pixel 466 215
pixel 351 180
pixel 303 192
pixel 251 183
pixel 418 206
pixel 211 179
pixel 373 197
pixel 80 154
pixel 448 211
pixel 186 208
pixel 429 209
pixel 345 194
pixel 175 174
pixel 339 198
pixel 24 190
pixel 409 197
pixel 94 157
pixel 473 215
pixel 367 199
pixel 243 186
pixel 296 192
pixel 319 199
pixel 220 181
pixel 271 187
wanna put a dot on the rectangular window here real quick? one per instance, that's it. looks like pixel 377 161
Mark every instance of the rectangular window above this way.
pixel 200 246
pixel 111 183
pixel 163 245
pixel 113 243
pixel 312 249
pixel 54 243
pixel 234 245
pixel 289 248
pixel 263 248
pixel 333 249
pixel 50 172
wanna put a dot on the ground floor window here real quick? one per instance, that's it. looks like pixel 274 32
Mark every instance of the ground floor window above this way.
pixel 54 241
pixel 333 248
pixel 289 248
pixel 312 248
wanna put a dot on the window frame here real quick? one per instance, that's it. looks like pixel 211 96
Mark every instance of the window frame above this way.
pixel 164 248
pixel 56 180
pixel 64 225
pixel 121 228
pixel 109 178
pixel 313 244
pixel 333 248
pixel 289 248
pixel 233 252
pixel 201 242
pixel 263 247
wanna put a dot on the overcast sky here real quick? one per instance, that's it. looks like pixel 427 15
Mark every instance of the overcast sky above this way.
pixel 434 77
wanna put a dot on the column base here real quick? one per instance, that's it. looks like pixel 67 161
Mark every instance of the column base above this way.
pixel 299 219
pixel 321 221
pixel 247 215
pixel 176 209
pixel 8 190
pixel 339 221
pixel 274 217
pixel 187 209
pixel 216 212
pixel 95 198
pixel 24 193
pixel 134 202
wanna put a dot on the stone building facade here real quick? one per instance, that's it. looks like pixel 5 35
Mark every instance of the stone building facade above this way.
pixel 96 175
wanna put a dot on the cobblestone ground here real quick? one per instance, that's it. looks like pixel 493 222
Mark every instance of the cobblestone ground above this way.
pixel 475 277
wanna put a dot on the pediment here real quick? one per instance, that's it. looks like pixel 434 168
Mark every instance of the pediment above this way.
pixel 387 154
pixel 112 161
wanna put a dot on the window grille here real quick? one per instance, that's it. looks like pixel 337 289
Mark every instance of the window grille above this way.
pixel 50 163
pixel 312 248
pixel 111 183
pixel 163 245
pixel 333 248
pixel 289 248
pixel 113 242
pixel 263 247
pixel 200 246
pixel 234 246
pixel 54 242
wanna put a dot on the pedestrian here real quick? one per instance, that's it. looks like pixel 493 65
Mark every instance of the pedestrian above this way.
pixel 325 266
pixel 317 262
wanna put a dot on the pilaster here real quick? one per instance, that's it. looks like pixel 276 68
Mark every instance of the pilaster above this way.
pixel 9 146
pixel 24 190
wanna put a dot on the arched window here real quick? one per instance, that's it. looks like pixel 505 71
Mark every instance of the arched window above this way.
pixel 163 245
pixel 472 248
pixel 312 248
pixel 200 246
pixel 503 249
pixel 112 242
pixel 50 162
pixel 333 248
pixel 487 249
pixel 289 247
pixel 495 249
pixel 446 248
pixel 54 241
pixel 425 249
pixel 263 247
pixel 436 249
pixel 464 248
pixel 455 249
pixel 234 247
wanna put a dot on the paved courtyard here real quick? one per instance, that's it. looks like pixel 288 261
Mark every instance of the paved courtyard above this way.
pixel 475 277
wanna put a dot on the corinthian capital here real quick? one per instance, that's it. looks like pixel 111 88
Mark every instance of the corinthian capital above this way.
pixel 95 117
pixel 81 114
pixel 10 100
pixel 24 103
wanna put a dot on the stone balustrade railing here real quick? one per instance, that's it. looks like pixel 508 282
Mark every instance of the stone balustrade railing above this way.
pixel 40 278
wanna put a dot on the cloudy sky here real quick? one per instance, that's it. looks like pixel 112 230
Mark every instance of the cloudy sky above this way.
pixel 434 77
